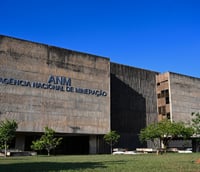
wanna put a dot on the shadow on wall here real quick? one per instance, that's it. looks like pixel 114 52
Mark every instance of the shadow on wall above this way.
pixel 128 113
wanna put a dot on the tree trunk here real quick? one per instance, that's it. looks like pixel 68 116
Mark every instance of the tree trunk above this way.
pixel 48 152
pixel 157 151
pixel 5 149
pixel 111 147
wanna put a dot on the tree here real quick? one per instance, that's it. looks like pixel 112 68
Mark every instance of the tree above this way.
pixel 150 133
pixel 47 141
pixel 171 130
pixel 165 131
pixel 37 145
pixel 196 126
pixel 7 133
pixel 111 138
pixel 196 122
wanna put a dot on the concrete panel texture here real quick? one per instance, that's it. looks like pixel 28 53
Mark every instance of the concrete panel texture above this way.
pixel 133 102
pixel 185 96
pixel 79 104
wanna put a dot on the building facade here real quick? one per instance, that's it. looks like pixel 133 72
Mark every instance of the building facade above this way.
pixel 133 103
pixel 178 96
pixel 68 91
pixel 83 96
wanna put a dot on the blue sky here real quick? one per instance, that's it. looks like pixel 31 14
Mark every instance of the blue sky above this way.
pixel 158 35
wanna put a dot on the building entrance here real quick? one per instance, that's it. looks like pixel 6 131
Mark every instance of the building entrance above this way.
pixel 74 145
pixel 70 145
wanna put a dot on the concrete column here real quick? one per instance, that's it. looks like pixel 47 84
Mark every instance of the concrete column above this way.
pixel 92 144
pixel 20 142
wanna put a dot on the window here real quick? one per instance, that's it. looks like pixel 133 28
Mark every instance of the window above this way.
pixel 164 93
pixel 168 115
pixel 167 100
pixel 162 110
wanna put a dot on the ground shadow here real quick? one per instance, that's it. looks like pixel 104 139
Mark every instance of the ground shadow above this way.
pixel 52 166
pixel 49 166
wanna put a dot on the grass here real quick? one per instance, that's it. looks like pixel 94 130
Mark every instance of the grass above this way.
pixel 103 163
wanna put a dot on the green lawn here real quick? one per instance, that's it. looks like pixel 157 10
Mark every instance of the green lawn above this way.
pixel 112 163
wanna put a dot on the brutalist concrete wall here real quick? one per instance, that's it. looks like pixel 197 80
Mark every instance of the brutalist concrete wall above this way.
pixel 133 102
pixel 185 96
pixel 42 85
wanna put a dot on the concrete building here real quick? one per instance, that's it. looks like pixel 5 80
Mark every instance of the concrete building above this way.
pixel 133 103
pixel 178 96
pixel 83 96
pixel 68 91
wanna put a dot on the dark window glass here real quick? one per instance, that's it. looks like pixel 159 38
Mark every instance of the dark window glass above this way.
pixel 167 100
pixel 168 115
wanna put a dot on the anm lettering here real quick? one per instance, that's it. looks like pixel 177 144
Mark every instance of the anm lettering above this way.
pixel 61 80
